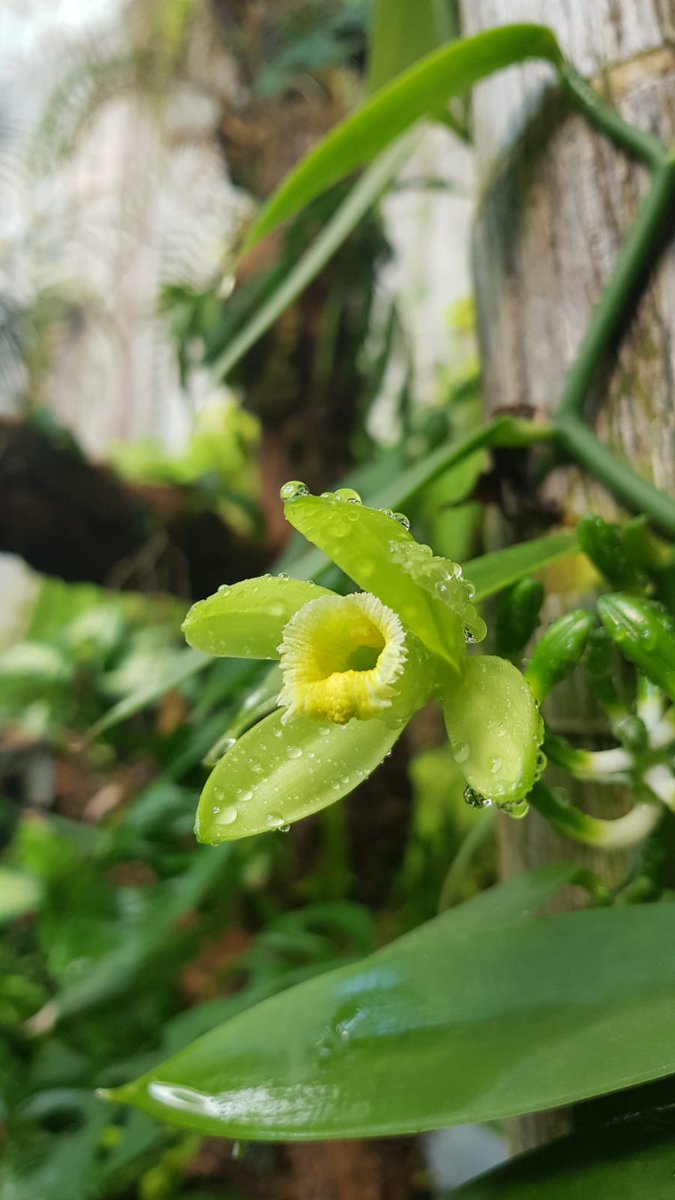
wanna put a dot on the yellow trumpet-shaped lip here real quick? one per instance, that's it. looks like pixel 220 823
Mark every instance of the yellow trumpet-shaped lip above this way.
pixel 341 657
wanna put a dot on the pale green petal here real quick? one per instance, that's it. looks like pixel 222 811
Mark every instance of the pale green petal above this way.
pixel 247 620
pixel 275 774
pixel 380 555
pixel 495 730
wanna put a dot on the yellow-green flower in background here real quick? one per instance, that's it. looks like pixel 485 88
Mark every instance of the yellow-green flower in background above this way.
pixel 354 670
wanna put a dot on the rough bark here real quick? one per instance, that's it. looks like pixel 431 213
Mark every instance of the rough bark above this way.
pixel 557 201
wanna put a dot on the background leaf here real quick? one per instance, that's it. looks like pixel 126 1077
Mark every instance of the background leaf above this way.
pixel 417 92
pixel 401 34
pixel 629 1161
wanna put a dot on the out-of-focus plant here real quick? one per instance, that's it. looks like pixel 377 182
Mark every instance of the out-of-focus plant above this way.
pixel 219 461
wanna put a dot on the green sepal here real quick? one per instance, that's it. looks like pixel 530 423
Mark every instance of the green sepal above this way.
pixel 247 620
pixel 558 651
pixel 645 634
pixel 495 730
pixel 277 773
pixel 380 555
pixel 603 543
pixel 517 616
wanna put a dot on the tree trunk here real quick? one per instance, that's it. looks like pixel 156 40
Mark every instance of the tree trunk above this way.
pixel 557 201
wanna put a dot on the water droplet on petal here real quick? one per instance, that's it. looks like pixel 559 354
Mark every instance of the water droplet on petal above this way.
pixel 402 520
pixel 229 815
pixel 387 512
pixel 294 752
pixel 274 820
pixel 223 589
pixel 293 489
pixel 517 809
pixel 348 494
pixel 474 799
pixel 461 752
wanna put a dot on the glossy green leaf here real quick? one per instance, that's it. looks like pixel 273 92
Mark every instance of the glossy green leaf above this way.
pixel 352 210
pixel 632 1160
pixel 492 572
pixel 559 651
pixel 645 633
pixel 419 91
pixel 495 730
pixel 377 552
pixel 480 1014
pixel 275 774
pixel 247 619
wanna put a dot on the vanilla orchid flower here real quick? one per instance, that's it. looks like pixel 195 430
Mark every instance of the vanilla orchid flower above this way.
pixel 354 670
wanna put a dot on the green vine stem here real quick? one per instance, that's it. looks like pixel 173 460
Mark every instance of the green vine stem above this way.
pixel 637 493
pixel 617 834
pixel 636 257
pixel 643 146
pixel 632 264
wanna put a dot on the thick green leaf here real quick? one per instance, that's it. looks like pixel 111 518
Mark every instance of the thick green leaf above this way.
pixel 417 92
pixel 492 572
pixel 247 619
pixel 481 1014
pixel 361 197
pixel 275 774
pixel 628 1161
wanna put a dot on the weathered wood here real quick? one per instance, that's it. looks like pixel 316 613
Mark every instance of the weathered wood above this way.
pixel 557 200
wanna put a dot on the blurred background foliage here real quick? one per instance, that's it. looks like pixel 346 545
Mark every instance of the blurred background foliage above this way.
pixel 120 939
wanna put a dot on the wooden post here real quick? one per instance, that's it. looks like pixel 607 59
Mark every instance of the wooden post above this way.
pixel 556 202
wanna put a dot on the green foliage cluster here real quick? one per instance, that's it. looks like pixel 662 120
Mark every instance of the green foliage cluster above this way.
pixel 459 1002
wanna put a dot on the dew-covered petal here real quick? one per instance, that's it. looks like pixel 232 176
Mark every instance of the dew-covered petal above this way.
pixel 277 773
pixel 376 550
pixel 495 730
pixel 247 619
